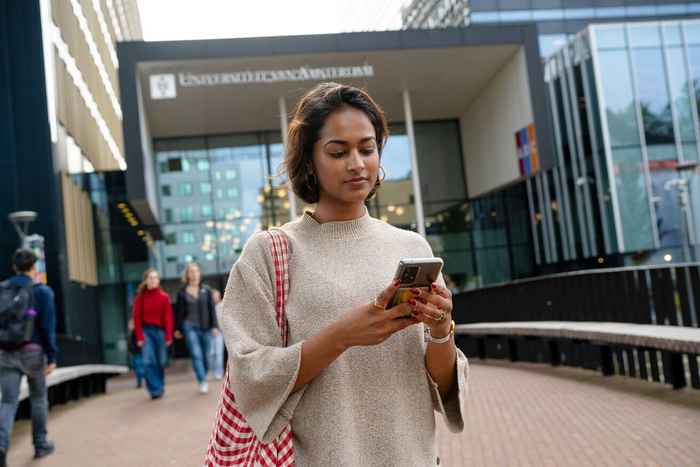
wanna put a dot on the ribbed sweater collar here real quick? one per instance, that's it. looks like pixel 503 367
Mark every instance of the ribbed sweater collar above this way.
pixel 339 230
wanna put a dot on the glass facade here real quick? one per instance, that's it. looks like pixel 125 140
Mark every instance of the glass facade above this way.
pixel 559 20
pixel 216 191
pixel 625 123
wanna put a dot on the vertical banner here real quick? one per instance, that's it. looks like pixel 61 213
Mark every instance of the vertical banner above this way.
pixel 526 150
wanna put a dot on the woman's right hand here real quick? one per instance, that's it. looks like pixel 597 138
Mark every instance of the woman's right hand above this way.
pixel 372 324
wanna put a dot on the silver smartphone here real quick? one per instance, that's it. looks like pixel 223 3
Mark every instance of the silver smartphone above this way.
pixel 415 273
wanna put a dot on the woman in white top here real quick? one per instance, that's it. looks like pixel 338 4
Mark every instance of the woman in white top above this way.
pixel 359 386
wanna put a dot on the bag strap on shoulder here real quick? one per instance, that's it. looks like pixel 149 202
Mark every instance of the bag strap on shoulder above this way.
pixel 280 259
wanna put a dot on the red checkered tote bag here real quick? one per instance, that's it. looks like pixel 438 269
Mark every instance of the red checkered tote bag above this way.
pixel 233 442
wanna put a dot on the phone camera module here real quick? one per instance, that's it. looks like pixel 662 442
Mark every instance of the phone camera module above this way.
pixel 409 274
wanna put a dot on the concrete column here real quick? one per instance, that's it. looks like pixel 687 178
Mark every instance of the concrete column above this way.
pixel 284 127
pixel 415 176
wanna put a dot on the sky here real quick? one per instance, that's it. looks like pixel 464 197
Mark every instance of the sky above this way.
pixel 210 19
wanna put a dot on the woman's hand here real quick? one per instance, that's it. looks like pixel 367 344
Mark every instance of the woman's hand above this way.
pixel 372 324
pixel 433 307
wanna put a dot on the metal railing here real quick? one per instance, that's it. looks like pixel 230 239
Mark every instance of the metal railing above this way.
pixel 660 295
pixel 667 295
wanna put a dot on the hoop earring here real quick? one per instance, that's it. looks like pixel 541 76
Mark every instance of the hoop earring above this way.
pixel 380 179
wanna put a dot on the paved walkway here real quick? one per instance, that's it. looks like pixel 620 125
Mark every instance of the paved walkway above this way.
pixel 519 415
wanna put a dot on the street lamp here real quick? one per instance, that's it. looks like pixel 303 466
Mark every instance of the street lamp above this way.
pixel 21 221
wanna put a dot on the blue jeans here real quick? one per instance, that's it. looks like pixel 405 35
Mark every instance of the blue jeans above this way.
pixel 216 355
pixel 30 362
pixel 137 365
pixel 198 342
pixel 155 358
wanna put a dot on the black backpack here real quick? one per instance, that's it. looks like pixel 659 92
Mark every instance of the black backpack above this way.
pixel 17 315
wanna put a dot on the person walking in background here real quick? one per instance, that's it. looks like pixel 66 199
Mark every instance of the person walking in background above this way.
pixel 216 354
pixel 196 321
pixel 27 347
pixel 136 357
pixel 153 326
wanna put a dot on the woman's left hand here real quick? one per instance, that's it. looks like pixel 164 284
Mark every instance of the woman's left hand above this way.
pixel 433 307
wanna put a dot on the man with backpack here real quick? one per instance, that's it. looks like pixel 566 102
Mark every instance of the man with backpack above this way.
pixel 27 347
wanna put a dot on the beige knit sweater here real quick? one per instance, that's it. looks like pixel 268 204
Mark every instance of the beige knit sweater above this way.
pixel 375 405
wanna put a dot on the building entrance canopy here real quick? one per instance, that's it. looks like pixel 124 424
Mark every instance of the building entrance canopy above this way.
pixel 487 79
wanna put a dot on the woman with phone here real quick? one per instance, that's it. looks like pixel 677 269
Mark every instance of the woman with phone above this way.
pixel 359 380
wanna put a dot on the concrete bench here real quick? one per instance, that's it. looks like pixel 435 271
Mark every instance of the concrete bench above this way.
pixel 629 340
pixel 71 383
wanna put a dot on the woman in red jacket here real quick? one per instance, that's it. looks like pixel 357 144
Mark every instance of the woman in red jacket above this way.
pixel 153 325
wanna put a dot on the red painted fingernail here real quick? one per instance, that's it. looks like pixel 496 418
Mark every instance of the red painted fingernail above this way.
pixel 396 283
pixel 415 291
pixel 412 302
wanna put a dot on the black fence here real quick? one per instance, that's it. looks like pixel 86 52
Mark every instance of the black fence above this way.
pixel 662 295
pixel 643 295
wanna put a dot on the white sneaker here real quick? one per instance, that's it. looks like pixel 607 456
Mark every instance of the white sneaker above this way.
pixel 204 388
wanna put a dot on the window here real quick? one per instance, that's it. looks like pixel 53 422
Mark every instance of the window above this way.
pixel 205 188
pixel 170 239
pixel 174 165
pixel 165 190
pixel 219 193
pixel 207 210
pixel 231 174
pixel 232 192
pixel 171 259
pixel 164 167
pixel 185 189
pixel 168 214
pixel 186 213
pixel 188 237
pixel 202 165
pixel 186 165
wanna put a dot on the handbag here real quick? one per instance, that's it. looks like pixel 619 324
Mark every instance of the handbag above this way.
pixel 233 442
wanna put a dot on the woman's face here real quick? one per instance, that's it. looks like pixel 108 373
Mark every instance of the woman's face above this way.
pixel 193 275
pixel 152 280
pixel 346 157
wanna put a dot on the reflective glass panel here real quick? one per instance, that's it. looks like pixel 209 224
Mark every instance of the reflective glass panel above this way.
pixel 655 103
pixel 633 198
pixel 610 37
pixel 644 35
pixel 616 81
pixel 680 93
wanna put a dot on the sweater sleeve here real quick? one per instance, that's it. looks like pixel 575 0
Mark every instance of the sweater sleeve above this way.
pixel 167 319
pixel 262 372
pixel 453 406
pixel 137 315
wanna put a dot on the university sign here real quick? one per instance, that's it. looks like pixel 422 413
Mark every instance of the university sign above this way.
pixel 163 86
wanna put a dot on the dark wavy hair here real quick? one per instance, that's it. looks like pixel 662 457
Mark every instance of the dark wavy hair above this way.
pixel 309 117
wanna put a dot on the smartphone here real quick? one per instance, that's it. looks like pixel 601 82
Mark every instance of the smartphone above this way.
pixel 414 273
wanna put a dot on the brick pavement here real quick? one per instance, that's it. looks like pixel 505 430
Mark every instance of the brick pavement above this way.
pixel 518 415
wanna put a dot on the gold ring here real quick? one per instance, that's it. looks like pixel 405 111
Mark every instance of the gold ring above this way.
pixel 377 305
pixel 442 316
